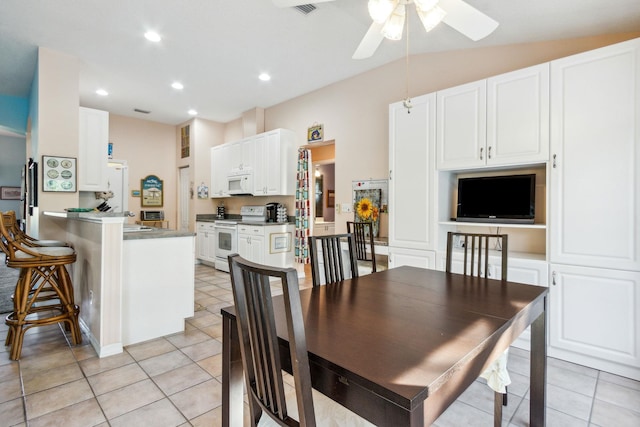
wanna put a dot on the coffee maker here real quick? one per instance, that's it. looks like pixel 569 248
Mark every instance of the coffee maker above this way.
pixel 272 212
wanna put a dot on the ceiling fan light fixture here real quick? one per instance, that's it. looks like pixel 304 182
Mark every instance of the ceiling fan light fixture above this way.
pixel 380 10
pixel 395 24
pixel 430 18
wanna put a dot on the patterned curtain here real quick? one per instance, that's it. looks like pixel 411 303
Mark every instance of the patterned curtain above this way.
pixel 303 207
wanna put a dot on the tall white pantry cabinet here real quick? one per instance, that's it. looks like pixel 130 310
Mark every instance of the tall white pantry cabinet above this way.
pixel 594 230
pixel 582 128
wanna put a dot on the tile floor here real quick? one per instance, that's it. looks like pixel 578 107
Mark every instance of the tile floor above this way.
pixel 176 381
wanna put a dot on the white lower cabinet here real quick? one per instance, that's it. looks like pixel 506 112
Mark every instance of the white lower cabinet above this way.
pixel 324 228
pixel 411 257
pixel 270 244
pixel 593 318
pixel 205 242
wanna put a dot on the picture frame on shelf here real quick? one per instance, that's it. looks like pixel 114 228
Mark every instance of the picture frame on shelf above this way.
pixel 59 174
pixel 10 193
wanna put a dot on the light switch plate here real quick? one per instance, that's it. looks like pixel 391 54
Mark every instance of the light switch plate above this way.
pixel 346 208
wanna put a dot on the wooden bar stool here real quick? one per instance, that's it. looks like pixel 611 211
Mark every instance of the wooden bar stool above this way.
pixel 42 272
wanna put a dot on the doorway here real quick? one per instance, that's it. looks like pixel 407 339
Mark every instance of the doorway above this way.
pixel 118 182
pixel 183 198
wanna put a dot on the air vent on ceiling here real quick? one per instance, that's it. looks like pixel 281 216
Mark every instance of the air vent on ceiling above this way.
pixel 306 8
pixel 137 110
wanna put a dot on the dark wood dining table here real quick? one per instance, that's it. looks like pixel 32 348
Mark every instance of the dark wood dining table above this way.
pixel 399 346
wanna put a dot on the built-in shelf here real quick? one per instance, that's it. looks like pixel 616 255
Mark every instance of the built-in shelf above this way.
pixel 319 144
pixel 494 224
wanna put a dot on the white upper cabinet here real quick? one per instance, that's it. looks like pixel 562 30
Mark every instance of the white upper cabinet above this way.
pixel 461 126
pixel 274 168
pixel 595 149
pixel 503 120
pixel 412 219
pixel 518 117
pixel 219 170
pixel 270 157
pixel 241 154
pixel 93 150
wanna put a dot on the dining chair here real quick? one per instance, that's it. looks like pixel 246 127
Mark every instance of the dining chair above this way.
pixel 475 248
pixel 363 235
pixel 328 262
pixel 260 351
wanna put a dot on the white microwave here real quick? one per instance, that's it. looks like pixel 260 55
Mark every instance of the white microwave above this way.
pixel 240 182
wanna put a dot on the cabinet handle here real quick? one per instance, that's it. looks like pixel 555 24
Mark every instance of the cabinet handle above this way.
pixel 390 174
pixel 489 153
pixel 481 153
pixel 553 278
pixel 554 161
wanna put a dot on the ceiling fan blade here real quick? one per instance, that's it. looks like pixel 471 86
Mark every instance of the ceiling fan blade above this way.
pixel 467 19
pixel 370 42
pixel 293 3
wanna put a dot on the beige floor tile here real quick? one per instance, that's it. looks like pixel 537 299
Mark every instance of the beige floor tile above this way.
pixel 12 412
pixel 83 414
pixel 114 379
pixel 197 400
pixel 204 318
pixel 208 419
pixel 9 371
pixel 207 300
pixel 84 351
pixel 608 414
pixel 129 398
pixel 214 331
pixel 165 362
pixel 51 400
pixel 95 365
pixel 202 350
pixel 158 414
pixel 181 378
pixel 618 395
pixel 189 337
pixel 147 349
pixel 213 365
pixel 10 389
pixel 46 361
pixel 35 381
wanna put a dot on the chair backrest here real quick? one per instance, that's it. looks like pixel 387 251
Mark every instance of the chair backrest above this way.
pixel 475 247
pixel 259 341
pixel 363 235
pixel 332 258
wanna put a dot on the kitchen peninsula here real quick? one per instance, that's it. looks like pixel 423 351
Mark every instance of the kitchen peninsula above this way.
pixel 132 283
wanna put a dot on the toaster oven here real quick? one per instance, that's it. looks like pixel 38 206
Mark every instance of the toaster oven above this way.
pixel 152 215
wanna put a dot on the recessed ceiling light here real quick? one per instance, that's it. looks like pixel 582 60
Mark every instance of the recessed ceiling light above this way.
pixel 193 112
pixel 152 36
pixel 102 92
pixel 264 77
pixel 177 85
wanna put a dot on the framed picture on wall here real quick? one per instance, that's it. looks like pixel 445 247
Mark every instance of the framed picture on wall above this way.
pixel 152 191
pixel 59 174
pixel 10 193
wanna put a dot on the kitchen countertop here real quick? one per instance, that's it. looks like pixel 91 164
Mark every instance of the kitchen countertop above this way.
pixel 155 233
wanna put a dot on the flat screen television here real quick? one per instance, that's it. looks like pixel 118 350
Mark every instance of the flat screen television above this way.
pixel 506 198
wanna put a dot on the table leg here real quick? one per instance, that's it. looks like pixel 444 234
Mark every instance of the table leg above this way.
pixel 232 389
pixel 538 402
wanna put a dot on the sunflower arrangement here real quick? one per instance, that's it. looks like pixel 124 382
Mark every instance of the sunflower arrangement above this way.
pixel 364 209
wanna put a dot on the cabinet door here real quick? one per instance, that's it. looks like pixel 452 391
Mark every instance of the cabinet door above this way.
pixel 93 149
pixel 595 140
pixel 518 117
pixel 411 174
pixel 257 249
pixel 594 312
pixel 219 170
pixel 400 256
pixel 260 165
pixel 201 246
pixel 241 154
pixel 244 248
pixel 461 126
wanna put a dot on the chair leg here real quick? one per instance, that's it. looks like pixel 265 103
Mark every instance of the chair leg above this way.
pixel 497 410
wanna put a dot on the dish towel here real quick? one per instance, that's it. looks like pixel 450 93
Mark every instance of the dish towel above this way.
pixel 497 375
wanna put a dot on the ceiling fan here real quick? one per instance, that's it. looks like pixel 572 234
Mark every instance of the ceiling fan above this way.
pixel 389 17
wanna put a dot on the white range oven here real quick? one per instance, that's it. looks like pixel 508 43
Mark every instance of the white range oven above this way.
pixel 226 239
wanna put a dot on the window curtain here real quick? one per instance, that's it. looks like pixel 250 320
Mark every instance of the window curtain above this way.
pixel 303 207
